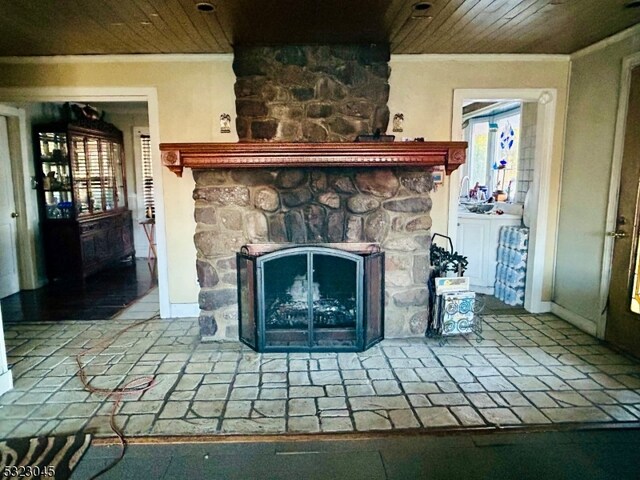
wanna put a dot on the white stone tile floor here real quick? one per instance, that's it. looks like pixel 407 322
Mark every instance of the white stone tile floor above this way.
pixel 523 370
pixel 144 308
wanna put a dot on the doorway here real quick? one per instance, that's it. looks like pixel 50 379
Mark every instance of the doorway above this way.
pixel 495 180
pixel 94 95
pixel 623 316
pixel 544 102
pixel 124 112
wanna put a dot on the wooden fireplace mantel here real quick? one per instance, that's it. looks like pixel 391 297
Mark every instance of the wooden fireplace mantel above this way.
pixel 177 156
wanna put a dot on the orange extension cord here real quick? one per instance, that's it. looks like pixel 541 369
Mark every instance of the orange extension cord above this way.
pixel 137 385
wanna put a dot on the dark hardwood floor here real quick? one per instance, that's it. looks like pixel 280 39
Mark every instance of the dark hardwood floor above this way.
pixel 102 296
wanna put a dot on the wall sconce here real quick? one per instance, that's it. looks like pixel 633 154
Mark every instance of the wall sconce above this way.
pixel 225 123
pixel 398 121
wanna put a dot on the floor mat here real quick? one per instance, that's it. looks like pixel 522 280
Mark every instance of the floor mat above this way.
pixel 42 457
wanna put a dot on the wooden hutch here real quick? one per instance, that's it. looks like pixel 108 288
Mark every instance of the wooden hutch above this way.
pixel 80 177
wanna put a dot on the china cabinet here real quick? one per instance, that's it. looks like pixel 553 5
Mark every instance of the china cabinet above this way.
pixel 80 177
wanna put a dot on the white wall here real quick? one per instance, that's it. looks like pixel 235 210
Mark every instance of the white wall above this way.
pixel 589 144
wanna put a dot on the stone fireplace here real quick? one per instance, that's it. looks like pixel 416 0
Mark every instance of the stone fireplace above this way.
pixel 282 184
pixel 389 206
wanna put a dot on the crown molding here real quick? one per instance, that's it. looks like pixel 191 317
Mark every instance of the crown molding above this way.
pixel 228 57
pixel 618 37
pixel 479 57
pixel 141 58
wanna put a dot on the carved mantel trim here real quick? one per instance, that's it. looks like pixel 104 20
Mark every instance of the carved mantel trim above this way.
pixel 177 156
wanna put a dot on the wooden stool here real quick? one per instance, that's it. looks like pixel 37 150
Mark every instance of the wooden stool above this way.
pixel 149 227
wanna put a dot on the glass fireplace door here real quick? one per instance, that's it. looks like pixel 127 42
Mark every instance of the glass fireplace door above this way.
pixel 248 327
pixel 310 300
pixel 336 289
pixel 285 301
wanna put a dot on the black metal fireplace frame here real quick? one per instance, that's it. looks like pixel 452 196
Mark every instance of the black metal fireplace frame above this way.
pixel 255 335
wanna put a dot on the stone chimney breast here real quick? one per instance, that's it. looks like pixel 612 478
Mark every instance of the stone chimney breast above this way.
pixel 311 93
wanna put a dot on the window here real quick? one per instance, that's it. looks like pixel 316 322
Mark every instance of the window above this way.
pixel 493 150
pixel 478 149
pixel 147 176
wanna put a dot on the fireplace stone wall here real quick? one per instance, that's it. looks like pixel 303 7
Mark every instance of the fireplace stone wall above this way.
pixel 306 206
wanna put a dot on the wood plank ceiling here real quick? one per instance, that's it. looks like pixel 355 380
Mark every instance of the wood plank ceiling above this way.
pixel 66 27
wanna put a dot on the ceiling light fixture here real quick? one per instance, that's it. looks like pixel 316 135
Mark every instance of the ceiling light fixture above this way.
pixel 205 7
pixel 421 10
pixel 421 6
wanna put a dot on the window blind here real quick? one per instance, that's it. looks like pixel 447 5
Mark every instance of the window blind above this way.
pixel 147 176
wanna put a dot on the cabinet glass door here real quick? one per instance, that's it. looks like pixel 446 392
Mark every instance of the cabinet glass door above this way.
pixel 96 195
pixel 121 199
pixel 108 178
pixel 80 175
pixel 56 175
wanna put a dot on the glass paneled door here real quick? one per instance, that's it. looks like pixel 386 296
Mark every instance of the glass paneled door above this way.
pixel 623 307
pixel 311 299
pixel 287 289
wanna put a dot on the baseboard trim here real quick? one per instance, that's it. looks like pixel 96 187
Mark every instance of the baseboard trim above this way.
pixel 184 310
pixel 541 307
pixel 584 324
pixel 482 290
pixel 6 382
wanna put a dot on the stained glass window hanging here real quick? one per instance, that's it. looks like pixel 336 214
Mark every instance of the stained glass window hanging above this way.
pixel 506 158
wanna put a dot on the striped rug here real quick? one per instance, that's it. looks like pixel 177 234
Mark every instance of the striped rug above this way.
pixel 39 457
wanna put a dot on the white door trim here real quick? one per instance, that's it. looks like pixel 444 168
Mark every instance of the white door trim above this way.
pixel 6 378
pixel 546 99
pixel 116 94
pixel 628 64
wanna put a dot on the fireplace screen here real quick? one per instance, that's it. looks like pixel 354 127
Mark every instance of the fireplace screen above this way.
pixel 310 298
